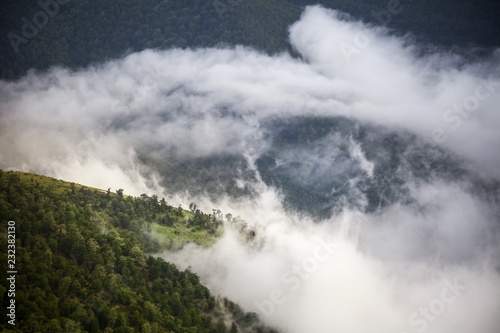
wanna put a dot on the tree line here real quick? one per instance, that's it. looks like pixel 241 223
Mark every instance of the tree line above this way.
pixel 83 265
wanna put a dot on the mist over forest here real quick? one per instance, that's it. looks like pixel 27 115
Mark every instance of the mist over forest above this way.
pixel 358 162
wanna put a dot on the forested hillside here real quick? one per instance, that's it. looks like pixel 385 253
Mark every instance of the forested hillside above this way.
pixel 77 33
pixel 82 263
pixel 83 32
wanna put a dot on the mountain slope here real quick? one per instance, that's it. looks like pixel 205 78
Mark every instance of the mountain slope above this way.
pixel 82 264
pixel 76 34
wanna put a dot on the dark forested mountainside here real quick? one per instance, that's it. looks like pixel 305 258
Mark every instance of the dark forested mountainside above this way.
pixel 40 34
pixel 320 165
pixel 295 163
pixel 83 32
pixel 83 266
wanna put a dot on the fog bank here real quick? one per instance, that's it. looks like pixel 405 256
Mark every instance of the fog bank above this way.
pixel 428 263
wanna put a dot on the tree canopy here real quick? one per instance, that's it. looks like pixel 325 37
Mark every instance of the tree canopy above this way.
pixel 75 34
pixel 84 264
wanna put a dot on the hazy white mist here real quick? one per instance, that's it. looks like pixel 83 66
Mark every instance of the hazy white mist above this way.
pixel 380 270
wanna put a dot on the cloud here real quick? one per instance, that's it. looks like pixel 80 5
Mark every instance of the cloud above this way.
pixel 176 97
pixel 389 270
pixel 390 85
pixel 123 123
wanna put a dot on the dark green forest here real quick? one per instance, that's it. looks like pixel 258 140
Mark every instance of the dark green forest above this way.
pixel 75 34
pixel 83 263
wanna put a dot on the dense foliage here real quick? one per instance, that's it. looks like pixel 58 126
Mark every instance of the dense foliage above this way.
pixel 86 31
pixel 78 33
pixel 81 258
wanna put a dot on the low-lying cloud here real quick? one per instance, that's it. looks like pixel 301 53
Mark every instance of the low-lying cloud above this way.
pixel 428 264
pixel 358 272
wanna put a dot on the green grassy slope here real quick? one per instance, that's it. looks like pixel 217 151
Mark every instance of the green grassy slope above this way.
pixel 179 229
pixel 56 185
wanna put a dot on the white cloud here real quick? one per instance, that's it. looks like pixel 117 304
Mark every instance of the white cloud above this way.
pixel 87 126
